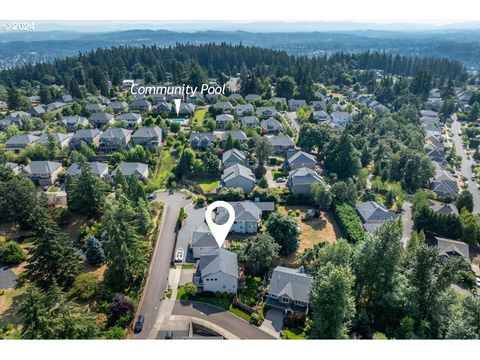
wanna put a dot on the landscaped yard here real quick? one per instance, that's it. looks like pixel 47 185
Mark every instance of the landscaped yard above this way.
pixel 198 117
pixel 250 294
pixel 221 302
pixel 167 163
pixel 292 334
pixel 207 184
pixel 313 231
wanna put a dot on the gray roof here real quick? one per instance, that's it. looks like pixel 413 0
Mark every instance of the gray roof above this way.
pixel 201 137
pixel 74 120
pixel 244 107
pixel 301 157
pixel 101 117
pixel 271 124
pixel 304 176
pixel 58 137
pixel 294 283
pixel 115 133
pixel 253 97
pixel 244 211
pixel 129 117
pixel 447 247
pixel 22 139
pixel 283 140
pixel 98 168
pixel 118 105
pixel 132 168
pixel 371 211
pixel 224 118
pixel 237 170
pixel 42 167
pixel 86 134
pixel 203 239
pixel 445 209
pixel 148 132
pixel 249 120
pixel 235 153
pixel 235 134
pixel 224 105
pixel 224 261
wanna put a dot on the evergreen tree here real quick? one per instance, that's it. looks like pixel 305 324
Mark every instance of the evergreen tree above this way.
pixel 94 251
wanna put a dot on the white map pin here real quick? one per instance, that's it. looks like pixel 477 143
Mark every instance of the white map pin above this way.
pixel 220 232
pixel 177 105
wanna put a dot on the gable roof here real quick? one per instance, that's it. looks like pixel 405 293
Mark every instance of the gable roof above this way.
pixel 115 133
pixel 58 137
pixel 293 283
pixel 42 167
pixel 445 209
pixel 301 157
pixel 235 153
pixel 22 139
pixel 371 211
pixel 283 140
pixel 98 168
pixel 304 176
pixel 148 132
pixel 224 261
pixel 132 168
pixel 86 134
pixel 203 239
pixel 237 170
pixel 448 247
pixel 271 124
pixel 235 134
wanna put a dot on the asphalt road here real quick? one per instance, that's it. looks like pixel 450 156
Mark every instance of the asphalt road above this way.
pixel 220 317
pixel 292 116
pixel 160 264
pixel 466 169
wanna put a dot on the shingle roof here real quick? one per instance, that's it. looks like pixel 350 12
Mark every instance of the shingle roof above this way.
pixel 447 247
pixel 293 283
pixel 224 261
pixel 236 170
pixel 371 211
pixel 445 209
pixel 22 139
pixel 131 168
pixel 280 140
pixel 58 137
pixel 115 133
pixel 271 124
pixel 235 134
pixel 301 157
pixel 203 239
pixel 148 132
pixel 86 133
pixel 244 211
pixel 304 176
pixel 98 168
pixel 42 167
pixel 235 153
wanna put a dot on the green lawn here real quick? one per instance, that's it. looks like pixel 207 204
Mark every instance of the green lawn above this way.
pixel 249 294
pixel 207 185
pixel 293 334
pixel 166 166
pixel 224 303
pixel 198 117
pixel 188 266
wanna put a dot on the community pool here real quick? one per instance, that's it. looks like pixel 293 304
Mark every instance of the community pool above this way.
pixel 181 121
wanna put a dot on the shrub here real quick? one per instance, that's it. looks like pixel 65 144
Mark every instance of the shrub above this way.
pixel 349 222
pixel 11 253
pixel 2 292
pixel 190 289
pixel 120 307
pixel 85 286
pixel 115 333
pixel 201 200
pixel 256 319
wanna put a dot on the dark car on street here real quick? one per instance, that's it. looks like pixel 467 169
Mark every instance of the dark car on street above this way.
pixel 139 324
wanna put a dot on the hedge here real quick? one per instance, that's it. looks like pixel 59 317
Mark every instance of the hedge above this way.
pixel 349 222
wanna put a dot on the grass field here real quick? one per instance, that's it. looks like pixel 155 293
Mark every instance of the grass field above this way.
pixel 293 334
pixel 207 185
pixel 167 164
pixel 188 266
pixel 198 117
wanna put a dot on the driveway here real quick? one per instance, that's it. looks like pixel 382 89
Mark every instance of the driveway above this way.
pixel 273 322
pixel 271 181
pixel 195 221
pixel 292 117
pixel 7 277
pixel 407 222
pixel 466 169
pixel 160 265
pixel 220 317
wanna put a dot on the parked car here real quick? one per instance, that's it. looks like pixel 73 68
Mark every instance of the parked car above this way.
pixel 477 280
pixel 281 179
pixel 150 197
pixel 139 324
pixel 179 255
pixel 169 335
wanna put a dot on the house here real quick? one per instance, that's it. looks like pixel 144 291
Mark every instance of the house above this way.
pixel 186 108
pixel 94 107
pixel 43 173
pixel 85 136
pixel 201 140
pixel 157 98
pixel 238 176
pixel 444 185
pixel 225 106
pixel 320 116
pixel 445 209
pixel 264 112
pixel 100 119
pixel 54 106
pixel 217 272
pixel 100 169
pixel 294 105
pixel 131 119
pixel 37 110
pixel 140 170
pixel 19 142
pixel 149 137
pixel 319 105
pixel 448 248
pixel 118 106
pixel 280 143
pixel 10 120
pixel 195 98
pixel 340 118
pixel 232 157
pixel 434 104
pixel 16 168
pixel 248 215
pixel 374 215
pixel 244 109
pixel 114 139
pixel 289 290
pixel 203 243
pixel 20 114
pixel 249 122
pixel 299 159
pixel 162 107
pixel 236 135
pixel 252 97
pixel 281 101
pixel 271 126
pixel 72 123
pixel 141 105
pixel 235 96
pixel 61 139
pixel 300 180
pixel 222 120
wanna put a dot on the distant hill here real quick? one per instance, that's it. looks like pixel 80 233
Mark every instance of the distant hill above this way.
pixel 464 45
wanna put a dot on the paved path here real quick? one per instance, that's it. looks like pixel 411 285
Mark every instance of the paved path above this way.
pixel 160 265
pixel 292 117
pixel 466 169
pixel 220 317
pixel 407 222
